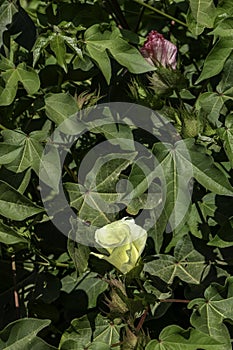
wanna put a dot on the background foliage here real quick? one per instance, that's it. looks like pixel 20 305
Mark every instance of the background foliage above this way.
pixel 58 56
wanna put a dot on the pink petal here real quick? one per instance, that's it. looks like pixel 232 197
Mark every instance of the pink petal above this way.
pixel 158 50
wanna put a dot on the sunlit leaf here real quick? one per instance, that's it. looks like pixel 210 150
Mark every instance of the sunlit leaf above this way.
pixel 22 335
pixel 57 45
pixel 96 202
pixel 99 42
pixel 7 11
pixel 175 338
pixel 8 152
pixel 29 149
pixel 14 205
pixel 25 75
pixel 60 106
pixel 187 264
pixel 210 312
pixel 9 235
pixel 79 335
pixel 203 11
pixel 216 59
pixel 226 135
pixel 211 103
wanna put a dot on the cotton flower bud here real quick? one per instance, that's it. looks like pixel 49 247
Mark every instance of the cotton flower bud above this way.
pixel 159 51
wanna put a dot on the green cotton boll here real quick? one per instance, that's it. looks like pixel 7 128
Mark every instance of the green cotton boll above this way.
pixel 124 241
pixel 190 128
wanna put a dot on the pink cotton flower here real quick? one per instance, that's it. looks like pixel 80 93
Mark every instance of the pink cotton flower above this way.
pixel 158 50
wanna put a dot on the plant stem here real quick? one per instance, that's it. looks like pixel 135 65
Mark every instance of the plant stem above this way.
pixel 49 262
pixel 57 264
pixel 3 127
pixel 174 301
pixel 142 320
pixel 71 173
pixel 160 12
pixel 139 19
pixel 16 295
pixel 113 7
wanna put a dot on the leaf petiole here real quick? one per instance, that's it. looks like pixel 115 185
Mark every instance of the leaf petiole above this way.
pixel 160 12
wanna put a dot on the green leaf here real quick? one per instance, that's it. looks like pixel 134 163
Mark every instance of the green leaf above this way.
pixel 72 43
pixel 92 206
pixel 187 264
pixel 30 149
pixel 208 205
pixel 93 286
pixel 57 45
pixel 7 11
pixel 21 335
pixel 223 29
pixel 226 135
pixel 100 56
pixel 224 7
pixel 175 177
pixel 8 235
pixel 50 168
pixel 79 335
pixel 15 206
pixel 26 75
pixel 5 63
pixel 59 107
pixel 203 12
pixel 118 134
pixel 96 202
pixel 154 296
pixel 225 85
pixel 79 254
pixel 175 338
pixel 38 47
pixel 19 181
pixel 8 93
pixel 76 341
pixel 180 163
pixel 194 27
pixel 216 59
pixel 8 152
pixel 150 200
pixel 205 171
pixel 224 236
pixel 210 312
pixel 211 104
pixel 194 221
pixel 69 282
pixel 99 42
pixel 90 284
pixel 99 346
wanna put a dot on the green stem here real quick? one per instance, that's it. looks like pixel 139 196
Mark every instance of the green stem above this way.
pixel 3 127
pixel 49 261
pixel 174 301
pixel 182 104
pixel 57 264
pixel 160 12
pixel 115 9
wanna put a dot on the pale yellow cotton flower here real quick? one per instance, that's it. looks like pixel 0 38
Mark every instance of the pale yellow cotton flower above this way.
pixel 124 241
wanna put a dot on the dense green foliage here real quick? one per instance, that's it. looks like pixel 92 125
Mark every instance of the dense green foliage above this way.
pixel 58 57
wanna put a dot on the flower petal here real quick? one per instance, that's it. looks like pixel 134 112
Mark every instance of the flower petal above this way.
pixel 158 50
